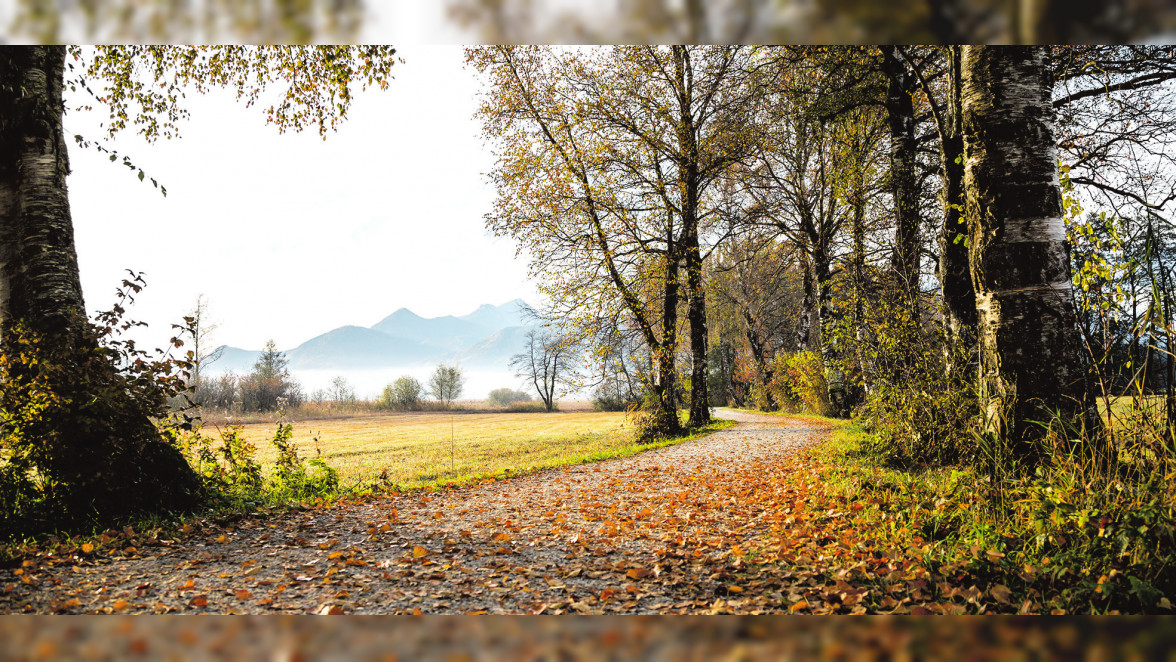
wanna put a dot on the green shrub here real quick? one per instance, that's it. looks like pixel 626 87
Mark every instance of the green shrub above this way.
pixel 404 394
pixel 798 382
pixel 233 476
pixel 78 444
pixel 505 397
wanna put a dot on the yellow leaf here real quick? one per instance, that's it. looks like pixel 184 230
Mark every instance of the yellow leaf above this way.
pixel 502 536
pixel 222 538
pixel 734 589
pixel 418 552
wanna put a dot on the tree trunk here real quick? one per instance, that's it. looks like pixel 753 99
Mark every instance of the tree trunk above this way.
pixel 900 114
pixel 102 456
pixel 763 368
pixel 830 356
pixel 39 281
pixel 955 279
pixel 689 192
pixel 804 325
pixel 1030 350
pixel 665 417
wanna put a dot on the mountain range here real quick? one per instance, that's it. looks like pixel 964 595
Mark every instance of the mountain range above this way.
pixel 485 338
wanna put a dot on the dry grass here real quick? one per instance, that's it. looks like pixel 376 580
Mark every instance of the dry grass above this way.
pixel 431 448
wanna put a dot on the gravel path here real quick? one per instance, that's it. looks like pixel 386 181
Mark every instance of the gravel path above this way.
pixel 632 535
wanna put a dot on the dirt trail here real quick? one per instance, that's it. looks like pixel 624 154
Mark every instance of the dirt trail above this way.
pixel 645 534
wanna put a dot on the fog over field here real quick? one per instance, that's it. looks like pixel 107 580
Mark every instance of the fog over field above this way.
pixel 369 383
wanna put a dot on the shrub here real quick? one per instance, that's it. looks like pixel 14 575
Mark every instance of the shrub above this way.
pixel 798 382
pixel 232 473
pixel 505 397
pixel 78 445
pixel 402 395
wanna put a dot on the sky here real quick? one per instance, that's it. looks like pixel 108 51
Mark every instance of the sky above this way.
pixel 289 236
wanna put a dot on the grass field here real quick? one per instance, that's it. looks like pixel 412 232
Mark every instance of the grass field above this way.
pixel 422 449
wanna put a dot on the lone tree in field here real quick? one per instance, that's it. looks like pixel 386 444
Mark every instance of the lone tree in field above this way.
pixel 547 362
pixel 446 383
pixel 1030 350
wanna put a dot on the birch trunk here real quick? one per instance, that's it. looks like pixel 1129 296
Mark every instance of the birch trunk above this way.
pixel 1030 350
pixel 39 281
pixel 103 454
pixel 900 114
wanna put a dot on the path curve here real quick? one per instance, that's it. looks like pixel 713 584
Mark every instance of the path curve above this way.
pixel 628 535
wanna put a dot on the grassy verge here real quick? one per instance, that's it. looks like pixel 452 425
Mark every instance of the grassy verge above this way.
pixel 1056 546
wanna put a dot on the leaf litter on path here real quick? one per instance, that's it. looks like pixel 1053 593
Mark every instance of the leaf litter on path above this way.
pixel 733 522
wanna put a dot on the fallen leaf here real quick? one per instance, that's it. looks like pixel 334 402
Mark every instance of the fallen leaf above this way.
pixel 120 605
pixel 199 601
pixel 418 552
pixel 638 573
pixel 87 548
pixel 1001 593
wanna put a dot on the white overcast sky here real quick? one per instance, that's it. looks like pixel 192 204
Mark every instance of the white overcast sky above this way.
pixel 289 236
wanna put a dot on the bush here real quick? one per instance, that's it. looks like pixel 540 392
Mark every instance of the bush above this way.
pixel 404 394
pixel 232 474
pixel 798 382
pixel 505 397
pixel 78 445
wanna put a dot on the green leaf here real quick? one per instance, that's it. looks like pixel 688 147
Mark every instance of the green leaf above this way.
pixel 140 175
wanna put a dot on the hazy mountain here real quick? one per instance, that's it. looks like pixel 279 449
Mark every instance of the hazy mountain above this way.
pixel 232 359
pixel 443 332
pixel 493 318
pixel 495 351
pixel 357 347
pixel 483 339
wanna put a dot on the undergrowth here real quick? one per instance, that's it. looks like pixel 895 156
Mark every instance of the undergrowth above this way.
pixel 1060 539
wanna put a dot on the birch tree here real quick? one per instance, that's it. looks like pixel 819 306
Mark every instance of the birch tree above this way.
pixel 1030 351
pixel 124 466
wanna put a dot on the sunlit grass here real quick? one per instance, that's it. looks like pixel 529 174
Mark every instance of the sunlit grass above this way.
pixel 414 450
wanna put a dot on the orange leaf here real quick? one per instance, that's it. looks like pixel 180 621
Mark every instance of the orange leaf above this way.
pixel 120 605
pixel 243 594
pixel 639 573
pixel 734 589
pixel 502 536
pixel 87 548
pixel 798 606
pixel 189 584
pixel 199 601
pixel 645 512
pixel 607 594
pixel 418 552
pixel 222 539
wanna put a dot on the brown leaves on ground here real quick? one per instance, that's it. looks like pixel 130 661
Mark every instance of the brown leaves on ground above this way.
pixel 736 522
